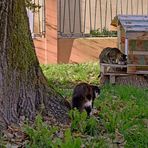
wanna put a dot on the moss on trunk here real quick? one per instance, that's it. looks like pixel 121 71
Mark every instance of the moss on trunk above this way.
pixel 23 87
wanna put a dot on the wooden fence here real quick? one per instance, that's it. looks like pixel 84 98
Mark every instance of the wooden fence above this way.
pixel 76 18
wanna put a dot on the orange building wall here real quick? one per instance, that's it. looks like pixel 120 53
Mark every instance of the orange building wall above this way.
pixel 46 48
pixel 82 49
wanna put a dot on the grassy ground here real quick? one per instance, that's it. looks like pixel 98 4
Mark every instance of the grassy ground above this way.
pixel 64 77
pixel 120 117
pixel 123 110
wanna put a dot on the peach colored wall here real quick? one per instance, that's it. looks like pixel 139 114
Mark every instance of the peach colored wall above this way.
pixel 82 49
pixel 46 48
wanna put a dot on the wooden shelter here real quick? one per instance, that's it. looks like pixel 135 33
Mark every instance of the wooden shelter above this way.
pixel 132 33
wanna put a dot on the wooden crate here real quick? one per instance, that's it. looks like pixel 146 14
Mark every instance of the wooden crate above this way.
pixel 111 71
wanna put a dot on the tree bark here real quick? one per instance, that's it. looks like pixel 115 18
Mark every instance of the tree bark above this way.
pixel 23 87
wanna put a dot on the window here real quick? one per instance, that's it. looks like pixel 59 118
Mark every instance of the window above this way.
pixel 37 18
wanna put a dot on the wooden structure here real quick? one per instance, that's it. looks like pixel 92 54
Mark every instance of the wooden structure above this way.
pixel 132 33
pixel 133 41
pixel 111 71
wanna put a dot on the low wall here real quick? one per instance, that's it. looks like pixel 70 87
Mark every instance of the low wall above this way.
pixel 82 49
pixel 72 50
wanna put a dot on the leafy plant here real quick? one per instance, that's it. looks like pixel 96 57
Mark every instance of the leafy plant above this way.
pixel 119 107
pixel 91 127
pixel 32 6
pixel 1 139
pixel 125 108
pixel 69 141
pixel 103 32
pixel 83 124
pixel 78 120
pixel 40 134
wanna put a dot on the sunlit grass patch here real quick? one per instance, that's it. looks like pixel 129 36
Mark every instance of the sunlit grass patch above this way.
pixel 65 74
pixel 125 108
pixel 64 77
pixel 122 108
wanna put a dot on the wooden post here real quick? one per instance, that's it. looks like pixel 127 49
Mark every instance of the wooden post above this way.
pixel 112 79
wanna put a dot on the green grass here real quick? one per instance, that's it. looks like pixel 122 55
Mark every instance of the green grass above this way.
pixel 122 108
pixel 63 77
pixel 103 33
pixel 125 108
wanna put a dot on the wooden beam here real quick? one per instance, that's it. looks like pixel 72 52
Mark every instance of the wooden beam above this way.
pixel 112 79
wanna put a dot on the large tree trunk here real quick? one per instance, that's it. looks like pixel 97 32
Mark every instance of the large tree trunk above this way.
pixel 23 87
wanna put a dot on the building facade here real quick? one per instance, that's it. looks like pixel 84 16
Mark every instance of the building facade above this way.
pixel 61 29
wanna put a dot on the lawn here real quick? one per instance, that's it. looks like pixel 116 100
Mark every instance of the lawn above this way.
pixel 122 110
pixel 120 116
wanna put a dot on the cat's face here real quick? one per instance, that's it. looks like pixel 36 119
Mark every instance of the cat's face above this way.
pixel 122 59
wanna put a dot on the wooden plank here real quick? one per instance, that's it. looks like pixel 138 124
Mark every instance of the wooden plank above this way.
pixel 126 46
pixel 138 59
pixel 145 53
pixel 141 72
pixel 136 29
pixel 122 40
pixel 116 74
pixel 135 23
pixel 137 35
pixel 112 79
pixel 113 65
pixel 102 68
pixel 133 17
pixel 130 18
pixel 138 65
pixel 131 69
pixel 137 69
pixel 138 45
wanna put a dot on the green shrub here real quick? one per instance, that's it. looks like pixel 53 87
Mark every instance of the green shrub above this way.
pixel 83 124
pixel 70 141
pixel 40 134
pixel 103 32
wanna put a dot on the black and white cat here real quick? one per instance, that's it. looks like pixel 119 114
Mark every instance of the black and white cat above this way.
pixel 83 97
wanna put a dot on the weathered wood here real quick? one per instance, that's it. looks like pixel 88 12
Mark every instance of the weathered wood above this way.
pixel 113 65
pixel 138 59
pixel 111 69
pixel 135 23
pixel 121 39
pixel 141 72
pixel 115 74
pixel 133 39
pixel 137 35
pixel 133 80
pixel 137 69
pixel 144 53
pixel 102 68
pixel 137 28
pixel 138 65
pixel 112 79
pixel 138 45
pixel 129 79
pixel 133 18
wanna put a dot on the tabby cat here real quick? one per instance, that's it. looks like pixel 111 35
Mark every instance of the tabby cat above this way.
pixel 112 56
